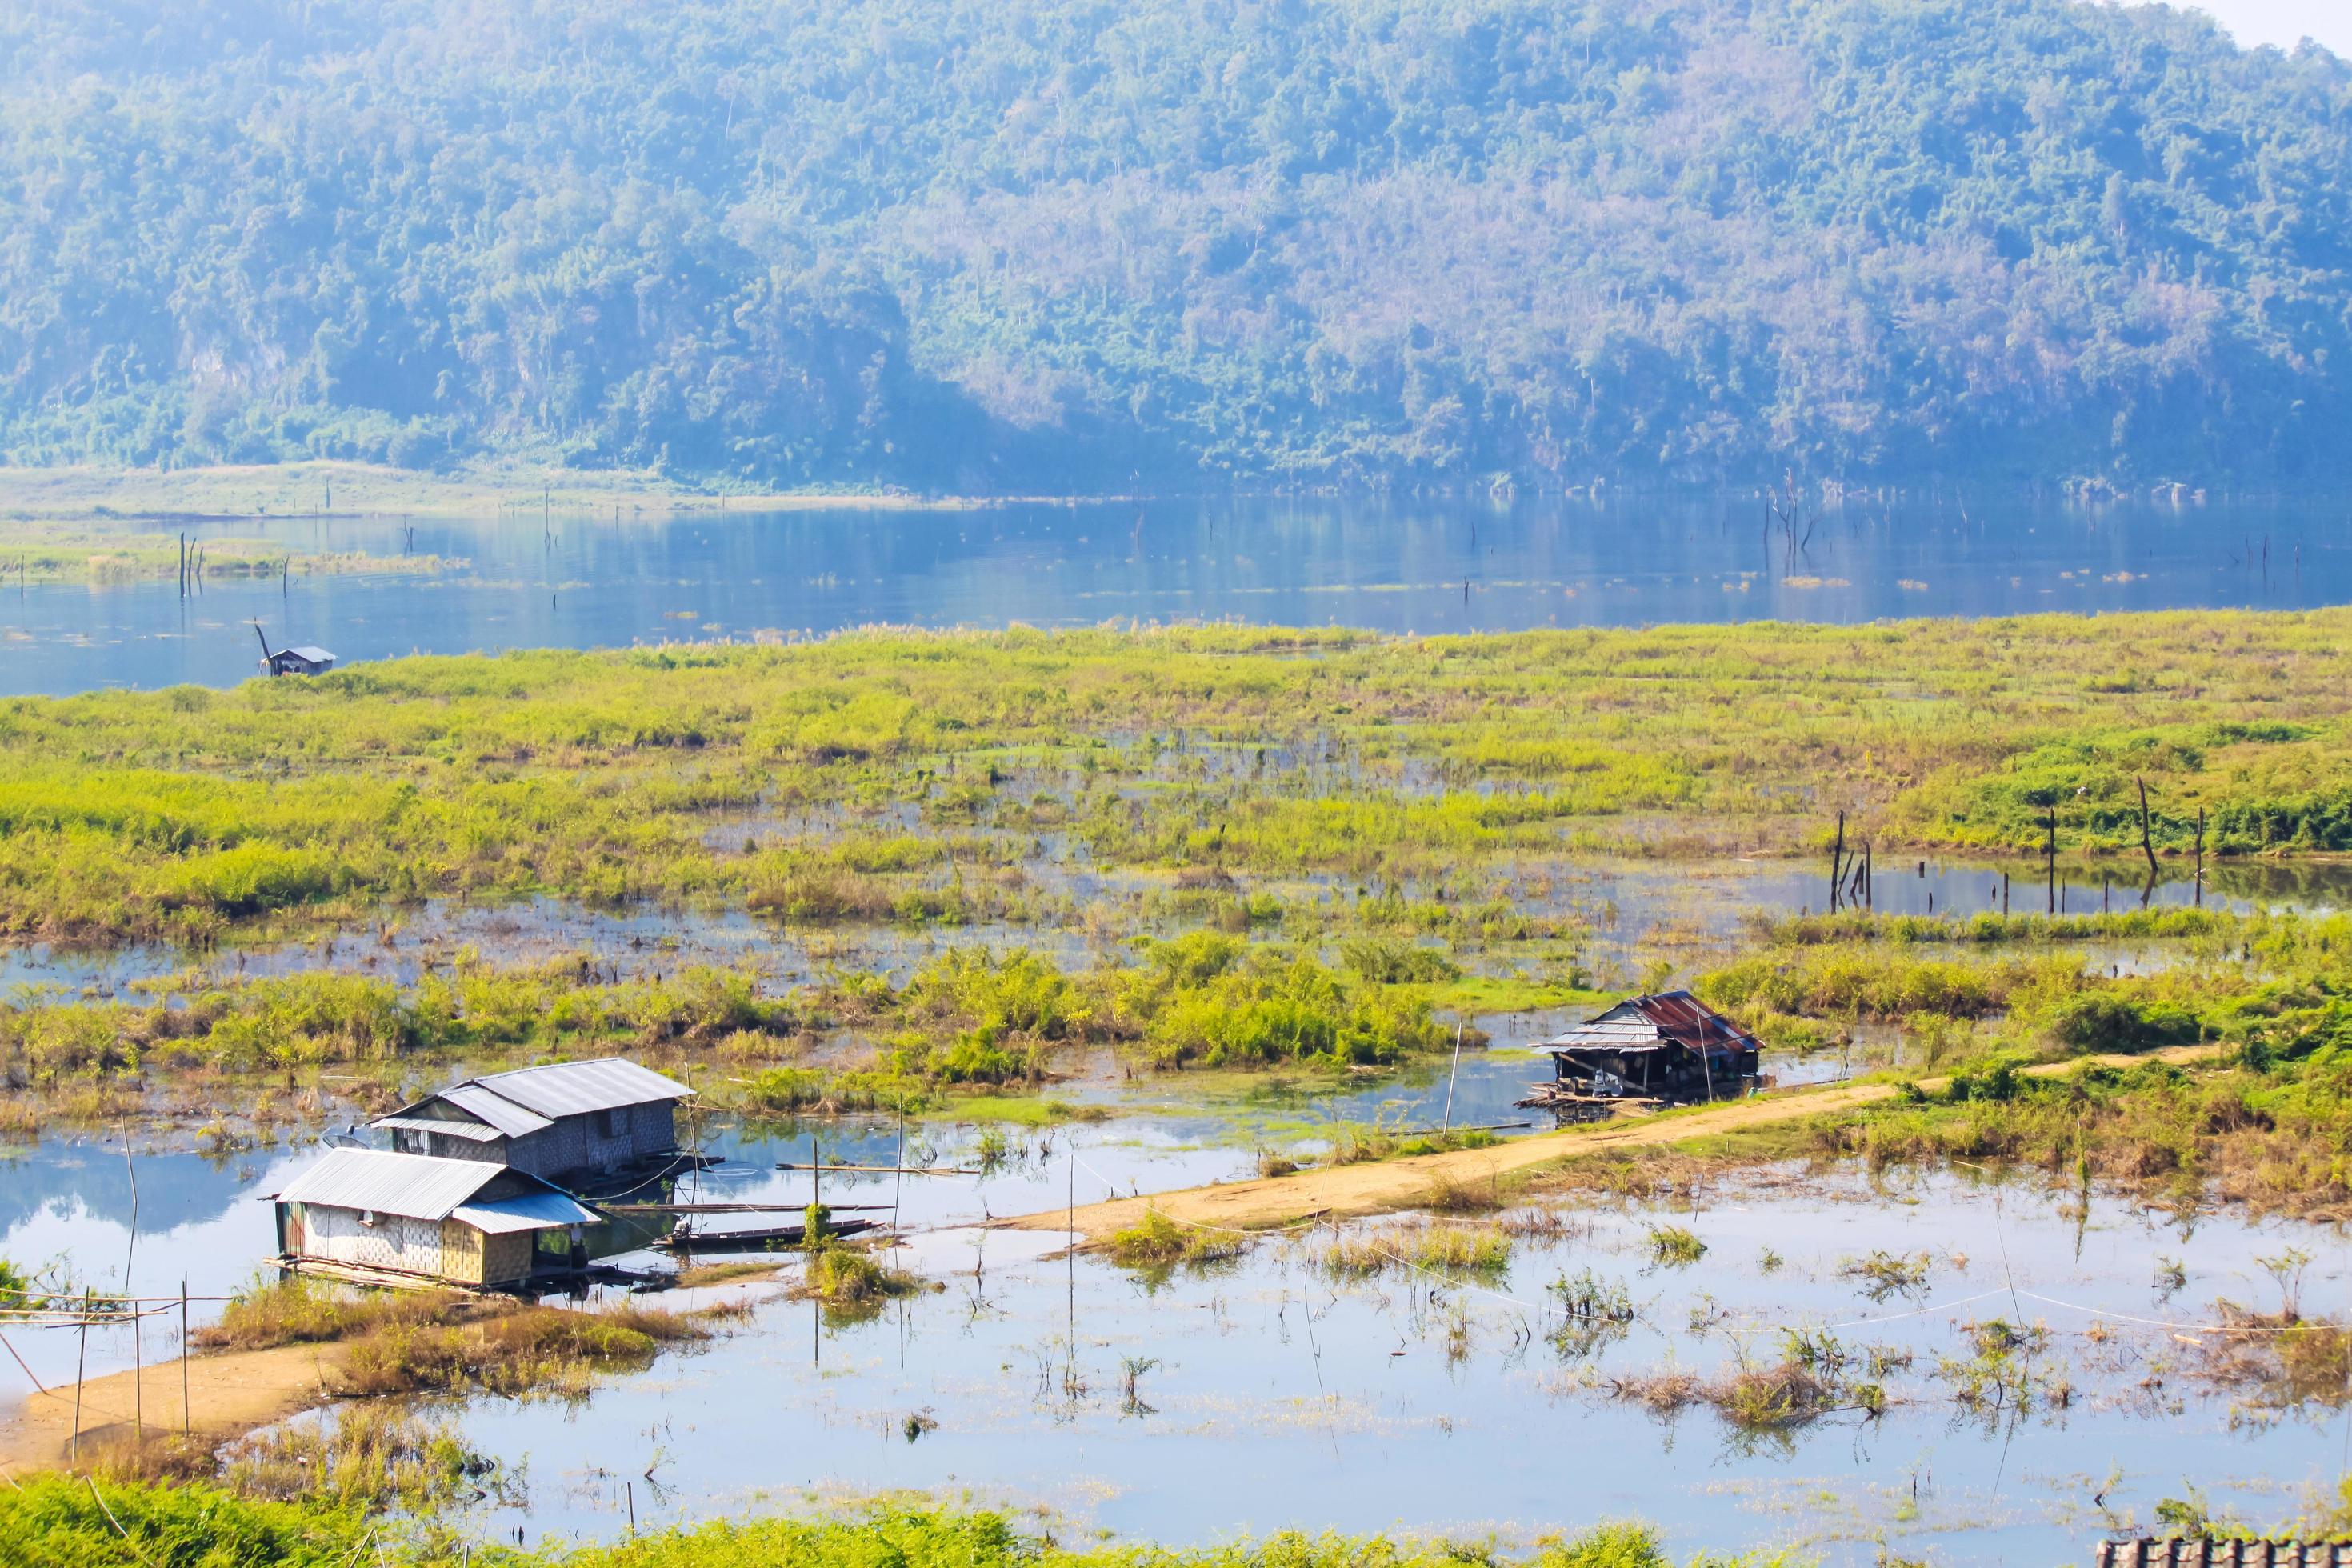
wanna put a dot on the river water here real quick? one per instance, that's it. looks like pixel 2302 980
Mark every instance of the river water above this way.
pixel 1394 566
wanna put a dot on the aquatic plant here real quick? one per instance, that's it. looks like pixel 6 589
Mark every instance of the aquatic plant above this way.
pixel 1433 1247
pixel 294 1309
pixel 852 1278
pixel 371 1456
pixel 1674 1245
pixel 1158 1242
pixel 1884 1274
pixel 526 1350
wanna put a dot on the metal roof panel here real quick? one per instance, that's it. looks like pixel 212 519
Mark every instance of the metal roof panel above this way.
pixel 417 1187
pixel 505 1114
pixel 530 1211
pixel 569 1089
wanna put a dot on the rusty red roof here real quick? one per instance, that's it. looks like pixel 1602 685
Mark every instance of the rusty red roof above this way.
pixel 1671 1017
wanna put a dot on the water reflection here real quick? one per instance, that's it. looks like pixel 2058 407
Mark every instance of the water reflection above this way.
pixel 1386 564
pixel 1294 1398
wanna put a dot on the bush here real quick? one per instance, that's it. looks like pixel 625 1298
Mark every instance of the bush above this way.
pixel 2104 1021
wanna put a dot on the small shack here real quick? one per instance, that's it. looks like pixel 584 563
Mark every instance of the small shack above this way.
pixel 565 1121
pixel 365 1212
pixel 1671 1045
pixel 305 659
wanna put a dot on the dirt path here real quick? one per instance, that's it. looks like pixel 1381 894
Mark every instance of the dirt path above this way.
pixel 228 1395
pixel 1388 1186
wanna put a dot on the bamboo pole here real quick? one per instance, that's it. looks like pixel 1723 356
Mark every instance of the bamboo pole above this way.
pixel 81 1361
pixel 1453 1074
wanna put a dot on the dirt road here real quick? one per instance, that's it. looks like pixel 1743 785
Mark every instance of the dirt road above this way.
pixel 228 1395
pixel 1388 1186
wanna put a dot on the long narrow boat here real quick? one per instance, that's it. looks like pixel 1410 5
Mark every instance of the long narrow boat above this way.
pixel 685 1239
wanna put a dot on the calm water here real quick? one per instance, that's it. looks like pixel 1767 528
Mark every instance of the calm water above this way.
pixel 1394 566
pixel 1277 1397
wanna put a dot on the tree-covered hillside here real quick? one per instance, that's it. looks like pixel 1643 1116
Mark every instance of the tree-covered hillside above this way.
pixel 1070 244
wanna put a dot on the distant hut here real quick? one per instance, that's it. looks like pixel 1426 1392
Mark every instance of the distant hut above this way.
pixel 362 1212
pixel 306 659
pixel 565 1122
pixel 1669 1046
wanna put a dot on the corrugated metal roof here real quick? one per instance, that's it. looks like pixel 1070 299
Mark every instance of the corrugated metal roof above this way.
pixel 499 1110
pixel 472 1130
pixel 567 1088
pixel 521 1103
pixel 1651 1022
pixel 530 1211
pixel 418 1187
pixel 310 654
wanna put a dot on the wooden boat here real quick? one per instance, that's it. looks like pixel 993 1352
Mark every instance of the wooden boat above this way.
pixel 685 1238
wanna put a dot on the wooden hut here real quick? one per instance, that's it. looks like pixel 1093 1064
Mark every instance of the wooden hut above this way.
pixel 1671 1045
pixel 366 1213
pixel 305 659
pixel 566 1122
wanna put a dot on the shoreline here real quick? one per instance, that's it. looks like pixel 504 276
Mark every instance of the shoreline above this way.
pixel 325 488
pixel 1388 1186
pixel 228 1395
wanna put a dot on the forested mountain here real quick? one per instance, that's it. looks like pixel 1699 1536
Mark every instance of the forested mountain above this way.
pixel 1012 244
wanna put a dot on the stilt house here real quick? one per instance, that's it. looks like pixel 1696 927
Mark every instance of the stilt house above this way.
pixel 566 1122
pixel 1668 1046
pixel 367 1212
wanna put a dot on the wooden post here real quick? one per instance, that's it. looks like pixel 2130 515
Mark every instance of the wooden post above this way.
pixel 2200 856
pixel 2049 858
pixel 898 1182
pixel 187 1420
pixel 2147 840
pixel 1837 861
pixel 1450 1076
pixel 2004 895
pixel 81 1359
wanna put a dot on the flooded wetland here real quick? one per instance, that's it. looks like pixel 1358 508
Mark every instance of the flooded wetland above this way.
pixel 1021 907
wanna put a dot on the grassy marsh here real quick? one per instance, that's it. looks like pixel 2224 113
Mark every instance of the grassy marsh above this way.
pixel 50 552
pixel 129 1523
pixel 896 770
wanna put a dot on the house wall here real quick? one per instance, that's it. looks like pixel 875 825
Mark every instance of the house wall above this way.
pixel 577 1145
pixel 407 1140
pixel 445 1249
pixel 478 1259
pixel 394 1241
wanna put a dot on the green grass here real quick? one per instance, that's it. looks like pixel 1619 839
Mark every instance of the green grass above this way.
pixel 55 551
pixel 598 775
pixel 66 1523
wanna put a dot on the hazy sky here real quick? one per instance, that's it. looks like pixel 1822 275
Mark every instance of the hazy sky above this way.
pixel 2284 22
